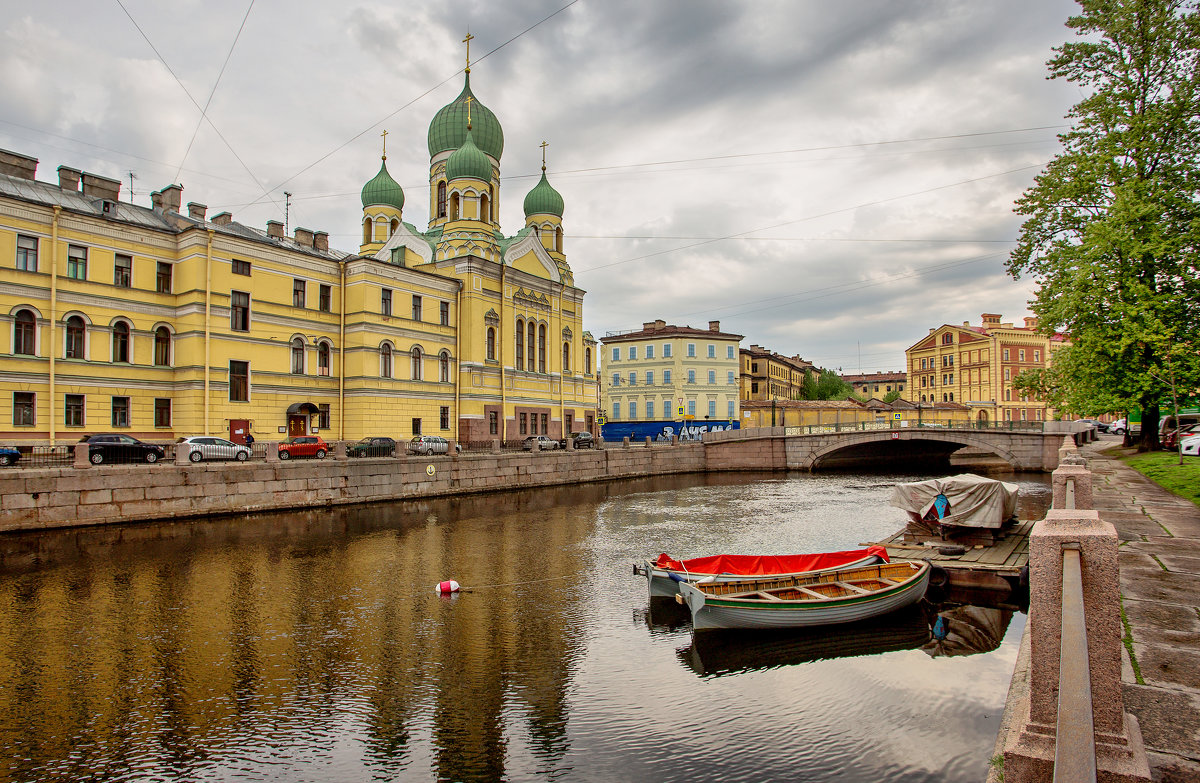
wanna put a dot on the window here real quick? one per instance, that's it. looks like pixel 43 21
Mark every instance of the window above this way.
pixel 712 377
pixel 650 351
pixel 951 381
pixel 239 311
pixel 633 352
pixel 1006 354
pixel 76 262
pixel 754 387
pixel 385 301
pixel 444 417
pixel 23 409
pixel 491 343
pixel 520 344
pixel 531 332
pixel 441 199
pixel 27 250
pixel 691 376
pixel 444 368
pixel 691 407
pixel 633 379
pixel 1008 373
pixel 666 350
pixel 524 426
pixel 325 299
pixel 649 409
pixel 566 359
pixel 416 426
pixel 729 379
pixel 729 352
pixel 951 396
pixel 297 356
pixel 162 412
pixel 162 278
pixel 616 354
pixel 122 271
pixel 691 350
pixel 948 338
pixel 120 342
pixel 444 313
pixel 298 289
pixel 1037 356
pixel 616 410
pixel 120 411
pixel 729 413
pixel 712 351
pixel 239 381
pixel 616 379
pixel 73 411
pixel 587 361
pixel 712 409
pixel 632 409
pixel 162 346
pixel 667 377
pixel 649 377
pixel 416 308
pixel 542 348
pixel 385 361
pixel 416 363
pixel 1021 355
pixel 493 423
pixel 25 333
pixel 241 267
pixel 323 358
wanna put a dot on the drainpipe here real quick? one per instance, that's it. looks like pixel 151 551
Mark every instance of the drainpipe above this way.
pixel 457 358
pixel 562 375
pixel 207 327
pixel 342 353
pixel 53 311
pixel 500 336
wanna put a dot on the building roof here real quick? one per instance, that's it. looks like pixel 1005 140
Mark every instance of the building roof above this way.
pixel 468 161
pixel 658 329
pixel 758 352
pixel 875 377
pixel 382 189
pixel 543 199
pixel 448 128
pixel 802 404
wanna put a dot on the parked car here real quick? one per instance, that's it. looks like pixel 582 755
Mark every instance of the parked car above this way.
pixel 431 444
pixel 1190 447
pixel 583 440
pixel 373 447
pixel 1098 425
pixel 9 455
pixel 1174 437
pixel 120 448
pixel 1120 427
pixel 303 446
pixel 544 443
pixel 209 447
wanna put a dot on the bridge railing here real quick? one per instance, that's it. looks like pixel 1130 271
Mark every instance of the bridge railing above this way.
pixel 867 426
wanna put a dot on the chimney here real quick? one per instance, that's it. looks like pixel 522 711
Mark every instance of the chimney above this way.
pixel 966 323
pixel 714 326
pixel 15 164
pixel 275 229
pixel 95 186
pixel 156 201
pixel 659 323
pixel 321 241
pixel 647 326
pixel 197 211
pixel 932 329
pixel 68 178
pixel 222 219
pixel 989 318
pixel 172 198
pixel 304 237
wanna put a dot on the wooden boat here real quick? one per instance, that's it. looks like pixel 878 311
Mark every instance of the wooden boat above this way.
pixel 664 574
pixel 816 598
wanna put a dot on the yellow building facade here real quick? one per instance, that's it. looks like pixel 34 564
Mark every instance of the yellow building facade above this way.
pixel 975 366
pixel 162 322
pixel 766 375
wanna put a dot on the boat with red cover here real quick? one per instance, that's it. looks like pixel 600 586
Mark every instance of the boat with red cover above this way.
pixel 664 574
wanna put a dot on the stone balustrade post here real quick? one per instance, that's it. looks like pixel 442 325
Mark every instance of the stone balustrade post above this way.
pixel 495 445
pixel 339 449
pixel 674 440
pixel 272 451
pixel 81 456
pixel 570 444
pixel 649 440
pixel 182 451
pixel 625 442
pixel 1078 475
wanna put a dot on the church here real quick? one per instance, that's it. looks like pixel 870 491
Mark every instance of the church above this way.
pixel 162 322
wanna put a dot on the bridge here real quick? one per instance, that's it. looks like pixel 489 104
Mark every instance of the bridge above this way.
pixel 1032 446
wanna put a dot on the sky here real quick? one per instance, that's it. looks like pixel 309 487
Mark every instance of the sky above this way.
pixel 829 180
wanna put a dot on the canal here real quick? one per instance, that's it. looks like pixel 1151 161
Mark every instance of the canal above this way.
pixel 310 646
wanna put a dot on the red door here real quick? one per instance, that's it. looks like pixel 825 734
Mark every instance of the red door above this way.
pixel 297 425
pixel 238 429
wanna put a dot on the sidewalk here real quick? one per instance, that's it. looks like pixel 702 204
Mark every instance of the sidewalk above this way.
pixel 1160 596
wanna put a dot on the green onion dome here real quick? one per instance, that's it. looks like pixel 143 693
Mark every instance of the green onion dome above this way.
pixel 543 199
pixel 383 190
pixel 448 129
pixel 469 161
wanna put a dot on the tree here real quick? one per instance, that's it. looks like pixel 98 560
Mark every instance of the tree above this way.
pixel 826 386
pixel 1112 223
pixel 891 396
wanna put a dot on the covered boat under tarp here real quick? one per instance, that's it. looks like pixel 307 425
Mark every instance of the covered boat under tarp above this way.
pixel 965 500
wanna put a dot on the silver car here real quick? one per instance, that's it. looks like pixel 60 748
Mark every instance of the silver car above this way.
pixel 208 447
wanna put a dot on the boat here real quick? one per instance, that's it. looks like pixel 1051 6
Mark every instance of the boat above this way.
pixel 962 501
pixel 664 574
pixel 816 598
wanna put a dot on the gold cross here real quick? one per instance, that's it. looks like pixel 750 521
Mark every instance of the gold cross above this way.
pixel 384 135
pixel 543 145
pixel 468 99
pixel 467 41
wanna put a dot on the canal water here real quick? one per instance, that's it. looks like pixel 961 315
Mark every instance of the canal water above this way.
pixel 311 647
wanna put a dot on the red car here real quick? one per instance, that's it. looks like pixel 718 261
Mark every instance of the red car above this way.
pixel 1172 438
pixel 303 446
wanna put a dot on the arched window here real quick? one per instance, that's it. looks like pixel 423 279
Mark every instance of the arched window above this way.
pixel 485 209
pixel 297 356
pixel 491 343
pixel 441 200
pixel 76 338
pixel 323 359
pixel 558 238
pixel 25 333
pixel 380 229
pixel 566 357
pixel 416 363
pixel 393 227
pixel 444 367
pixel 532 344
pixel 120 342
pixel 454 206
pixel 366 230
pixel 587 361
pixel 520 344
pixel 542 348
pixel 162 346
pixel 385 360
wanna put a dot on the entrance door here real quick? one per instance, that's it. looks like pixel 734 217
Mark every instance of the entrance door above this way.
pixel 983 417
pixel 297 425
pixel 238 429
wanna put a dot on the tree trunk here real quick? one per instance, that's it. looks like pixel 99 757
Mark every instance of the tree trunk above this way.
pixel 1149 438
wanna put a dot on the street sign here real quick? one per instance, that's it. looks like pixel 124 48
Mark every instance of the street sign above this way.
pixel 896 416
pixel 681 411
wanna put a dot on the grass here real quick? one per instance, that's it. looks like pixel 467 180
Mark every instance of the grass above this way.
pixel 1127 640
pixel 1163 468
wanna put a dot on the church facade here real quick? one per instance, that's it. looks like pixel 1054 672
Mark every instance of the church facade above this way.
pixel 162 322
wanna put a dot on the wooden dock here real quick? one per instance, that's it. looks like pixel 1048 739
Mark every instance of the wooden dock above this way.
pixel 999 565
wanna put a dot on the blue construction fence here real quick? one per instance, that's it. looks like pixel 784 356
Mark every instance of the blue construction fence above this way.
pixel 664 430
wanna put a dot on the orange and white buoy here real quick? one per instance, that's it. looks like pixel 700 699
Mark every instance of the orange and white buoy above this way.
pixel 449 586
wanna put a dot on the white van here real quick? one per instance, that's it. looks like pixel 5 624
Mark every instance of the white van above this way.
pixel 1167 423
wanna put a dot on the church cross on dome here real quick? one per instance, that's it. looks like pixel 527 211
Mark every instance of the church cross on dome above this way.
pixel 468 99
pixel 384 135
pixel 467 41
pixel 544 145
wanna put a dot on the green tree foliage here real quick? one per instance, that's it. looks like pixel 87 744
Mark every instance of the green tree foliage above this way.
pixel 826 386
pixel 1112 222
pixel 891 396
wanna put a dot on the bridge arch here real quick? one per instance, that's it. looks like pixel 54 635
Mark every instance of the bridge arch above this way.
pixel 962 438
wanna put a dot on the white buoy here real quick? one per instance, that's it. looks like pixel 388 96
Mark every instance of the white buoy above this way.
pixel 449 586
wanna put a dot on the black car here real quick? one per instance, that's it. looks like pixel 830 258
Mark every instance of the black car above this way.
pixel 583 440
pixel 373 447
pixel 120 448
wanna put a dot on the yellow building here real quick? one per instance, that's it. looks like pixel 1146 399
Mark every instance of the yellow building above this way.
pixel 975 366
pixel 766 375
pixel 664 372
pixel 160 324
pixel 877 384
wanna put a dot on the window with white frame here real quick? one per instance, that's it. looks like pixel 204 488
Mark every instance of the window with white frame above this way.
pixel 633 379
pixel 297 356
pixel 730 412
pixel 712 409
pixel 649 377
pixel 691 376
pixel 712 351
pixel 616 379
pixel 633 352
pixel 691 407
pixel 633 409
pixel 730 378
pixel 729 352
pixel 691 350
pixel 712 377
pixel 616 354
pixel 666 350
pixel 27 253
pixel 616 410
pixel 650 351
pixel 667 377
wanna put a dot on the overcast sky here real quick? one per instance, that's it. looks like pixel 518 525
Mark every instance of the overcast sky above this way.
pixel 827 179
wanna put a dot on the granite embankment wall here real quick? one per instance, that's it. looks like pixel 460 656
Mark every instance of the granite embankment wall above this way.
pixel 32 499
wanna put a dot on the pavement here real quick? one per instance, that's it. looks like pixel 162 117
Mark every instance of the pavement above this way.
pixel 1160 597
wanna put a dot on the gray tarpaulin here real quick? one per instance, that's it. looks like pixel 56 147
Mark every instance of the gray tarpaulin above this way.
pixel 975 501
